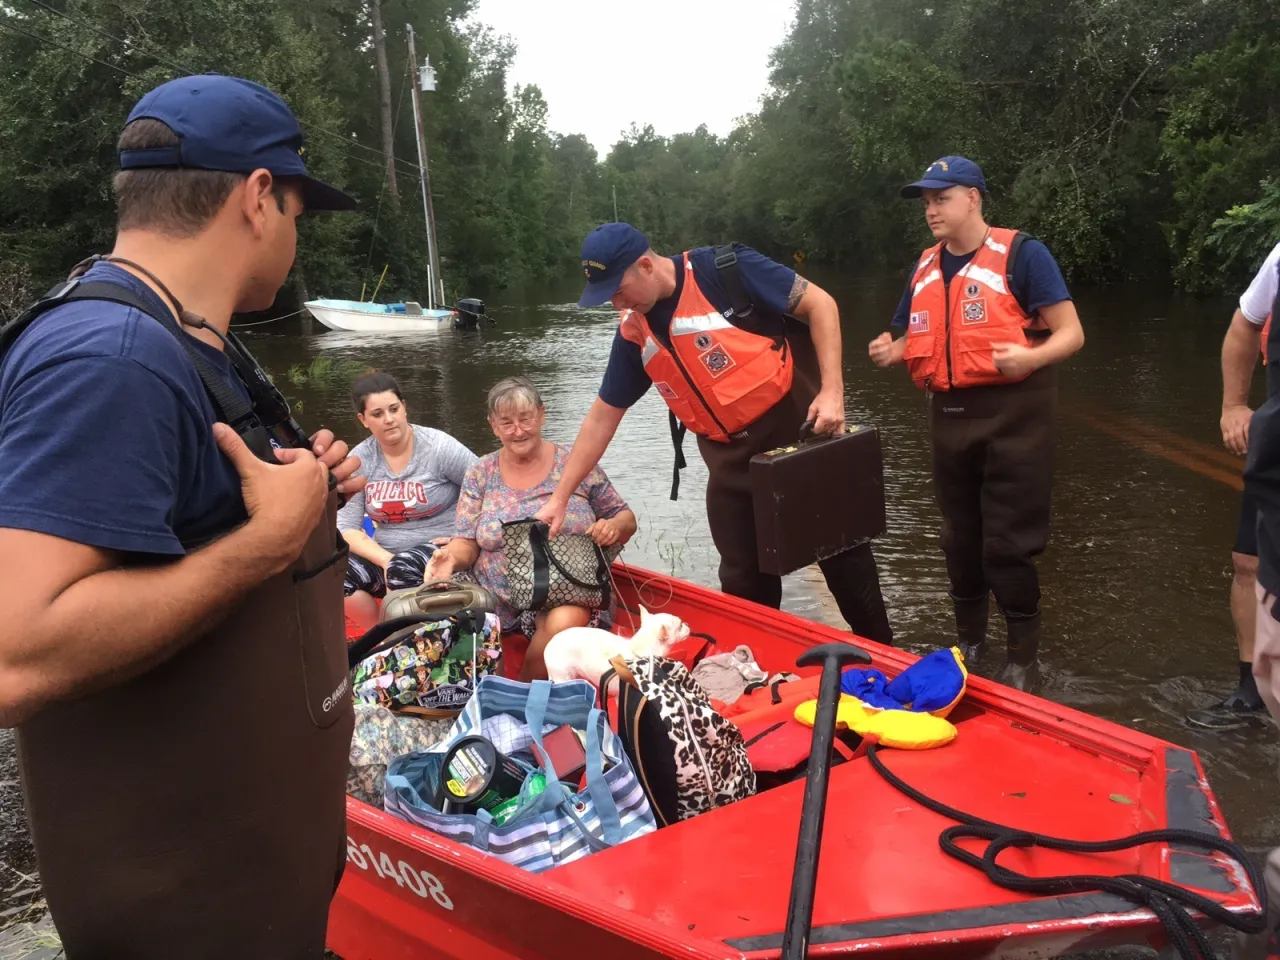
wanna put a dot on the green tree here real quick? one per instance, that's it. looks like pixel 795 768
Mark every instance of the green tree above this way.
pixel 1221 140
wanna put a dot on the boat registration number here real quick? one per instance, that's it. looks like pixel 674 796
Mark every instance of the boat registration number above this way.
pixel 424 884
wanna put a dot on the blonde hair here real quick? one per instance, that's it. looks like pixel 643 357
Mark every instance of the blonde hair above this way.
pixel 513 390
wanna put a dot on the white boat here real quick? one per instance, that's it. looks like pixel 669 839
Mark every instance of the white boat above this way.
pixel 365 317
pixel 360 316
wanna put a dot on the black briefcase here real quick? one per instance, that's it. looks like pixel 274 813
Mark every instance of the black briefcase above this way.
pixel 817 498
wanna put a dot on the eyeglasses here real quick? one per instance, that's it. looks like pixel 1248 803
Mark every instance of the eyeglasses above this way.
pixel 509 426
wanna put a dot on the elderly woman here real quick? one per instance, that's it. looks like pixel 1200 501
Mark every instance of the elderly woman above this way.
pixel 414 476
pixel 513 484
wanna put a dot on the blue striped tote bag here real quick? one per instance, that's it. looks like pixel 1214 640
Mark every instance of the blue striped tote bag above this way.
pixel 549 828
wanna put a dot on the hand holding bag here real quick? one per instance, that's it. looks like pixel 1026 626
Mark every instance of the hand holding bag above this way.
pixel 542 573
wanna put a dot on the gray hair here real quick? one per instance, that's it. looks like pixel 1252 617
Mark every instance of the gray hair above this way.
pixel 513 390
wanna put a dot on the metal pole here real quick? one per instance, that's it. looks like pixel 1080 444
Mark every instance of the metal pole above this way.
pixel 433 262
pixel 615 203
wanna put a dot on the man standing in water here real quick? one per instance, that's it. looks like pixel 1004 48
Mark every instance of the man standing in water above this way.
pixel 172 650
pixel 1262 486
pixel 743 351
pixel 1241 346
pixel 987 315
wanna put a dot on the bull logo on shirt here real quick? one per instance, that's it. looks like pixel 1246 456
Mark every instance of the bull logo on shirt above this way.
pixel 398 501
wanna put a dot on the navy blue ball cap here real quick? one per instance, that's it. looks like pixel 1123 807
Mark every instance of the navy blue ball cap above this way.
pixel 606 254
pixel 947 172
pixel 232 125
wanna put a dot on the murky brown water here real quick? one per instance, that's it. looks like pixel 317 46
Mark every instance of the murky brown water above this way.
pixel 1136 576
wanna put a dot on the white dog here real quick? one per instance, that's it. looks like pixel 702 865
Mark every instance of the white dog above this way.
pixel 583 653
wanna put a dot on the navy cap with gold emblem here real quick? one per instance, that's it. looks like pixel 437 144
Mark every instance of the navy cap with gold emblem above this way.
pixel 947 172
pixel 232 125
pixel 606 253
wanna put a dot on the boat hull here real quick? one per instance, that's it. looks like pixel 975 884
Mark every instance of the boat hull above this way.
pixel 717 886
pixel 335 316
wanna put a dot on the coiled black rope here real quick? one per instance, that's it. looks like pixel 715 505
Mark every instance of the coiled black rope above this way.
pixel 1172 904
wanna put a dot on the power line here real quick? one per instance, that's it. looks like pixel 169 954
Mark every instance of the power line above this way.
pixel 84 56
pixel 187 70
pixel 102 33
pixel 405 165
pixel 110 66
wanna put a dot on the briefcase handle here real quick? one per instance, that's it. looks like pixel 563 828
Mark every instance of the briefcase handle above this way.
pixel 807 427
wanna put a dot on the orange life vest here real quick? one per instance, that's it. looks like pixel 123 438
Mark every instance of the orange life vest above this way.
pixel 952 328
pixel 715 377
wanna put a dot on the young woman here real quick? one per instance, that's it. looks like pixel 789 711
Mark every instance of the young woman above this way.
pixel 415 474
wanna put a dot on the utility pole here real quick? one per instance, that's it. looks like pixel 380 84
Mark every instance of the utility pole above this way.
pixel 425 79
pixel 615 203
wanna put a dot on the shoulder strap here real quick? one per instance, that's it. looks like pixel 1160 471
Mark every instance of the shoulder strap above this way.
pixel 232 408
pixel 1014 246
pixel 731 280
pixel 1018 239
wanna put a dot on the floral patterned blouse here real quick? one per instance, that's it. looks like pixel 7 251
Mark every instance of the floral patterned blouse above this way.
pixel 485 503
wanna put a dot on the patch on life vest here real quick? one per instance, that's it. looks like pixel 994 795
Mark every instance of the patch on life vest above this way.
pixel 919 322
pixel 664 390
pixel 702 341
pixel 716 360
pixel 974 311
pixel 972 290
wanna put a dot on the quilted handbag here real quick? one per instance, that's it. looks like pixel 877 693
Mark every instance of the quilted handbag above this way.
pixel 555 826
pixel 542 573
pixel 431 647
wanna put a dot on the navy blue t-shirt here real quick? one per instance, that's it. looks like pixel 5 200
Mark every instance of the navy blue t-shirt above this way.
pixel 768 283
pixel 105 431
pixel 1037 279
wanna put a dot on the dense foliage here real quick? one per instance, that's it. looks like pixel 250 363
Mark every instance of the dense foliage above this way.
pixel 1138 138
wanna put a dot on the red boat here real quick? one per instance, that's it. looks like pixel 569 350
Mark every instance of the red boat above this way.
pixel 717 886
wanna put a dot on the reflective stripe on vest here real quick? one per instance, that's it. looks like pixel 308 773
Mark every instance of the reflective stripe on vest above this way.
pixel 716 377
pixel 952 329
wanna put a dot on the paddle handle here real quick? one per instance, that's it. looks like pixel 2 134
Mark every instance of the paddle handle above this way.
pixel 834 657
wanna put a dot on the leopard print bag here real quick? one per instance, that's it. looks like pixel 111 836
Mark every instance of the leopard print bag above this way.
pixel 710 757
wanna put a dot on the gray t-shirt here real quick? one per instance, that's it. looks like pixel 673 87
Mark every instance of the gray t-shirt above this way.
pixel 416 505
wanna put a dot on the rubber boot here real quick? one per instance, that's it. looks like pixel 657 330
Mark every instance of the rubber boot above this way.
pixel 1022 671
pixel 971 628
pixel 1243 707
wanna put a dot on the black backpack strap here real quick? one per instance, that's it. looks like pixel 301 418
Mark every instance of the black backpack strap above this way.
pixel 731 280
pixel 230 406
pixel 678 430
pixel 1014 246
pixel 233 408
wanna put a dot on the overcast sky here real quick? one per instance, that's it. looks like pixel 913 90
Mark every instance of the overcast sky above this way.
pixel 603 64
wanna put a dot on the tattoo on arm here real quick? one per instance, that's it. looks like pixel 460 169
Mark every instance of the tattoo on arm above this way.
pixel 797 293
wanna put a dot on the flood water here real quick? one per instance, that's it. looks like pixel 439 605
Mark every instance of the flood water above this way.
pixel 1135 579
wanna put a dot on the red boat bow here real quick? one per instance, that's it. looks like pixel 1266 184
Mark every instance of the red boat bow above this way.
pixel 717 886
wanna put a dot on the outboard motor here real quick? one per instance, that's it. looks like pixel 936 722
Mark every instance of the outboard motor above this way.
pixel 469 314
